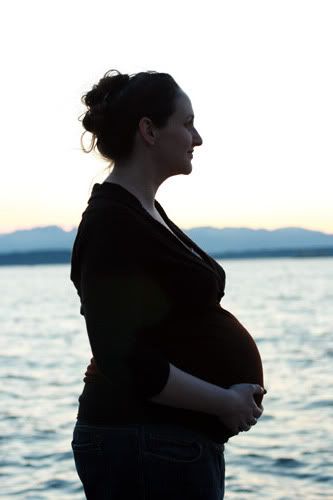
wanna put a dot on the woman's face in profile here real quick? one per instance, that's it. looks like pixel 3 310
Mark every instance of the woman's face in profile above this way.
pixel 177 139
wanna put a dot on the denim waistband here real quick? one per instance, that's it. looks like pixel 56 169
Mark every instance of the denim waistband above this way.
pixel 152 427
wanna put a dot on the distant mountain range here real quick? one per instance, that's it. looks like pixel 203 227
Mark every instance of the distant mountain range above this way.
pixel 37 238
pixel 214 241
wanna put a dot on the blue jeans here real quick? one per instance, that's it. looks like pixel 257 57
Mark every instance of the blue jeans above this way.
pixel 147 462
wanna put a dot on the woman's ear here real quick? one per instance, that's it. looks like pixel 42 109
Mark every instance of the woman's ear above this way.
pixel 147 130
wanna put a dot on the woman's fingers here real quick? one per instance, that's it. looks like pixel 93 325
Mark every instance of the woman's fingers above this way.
pixel 244 428
pixel 247 426
pixel 257 389
pixel 257 412
pixel 244 411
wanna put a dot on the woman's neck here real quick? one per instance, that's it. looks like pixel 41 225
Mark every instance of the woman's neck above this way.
pixel 142 188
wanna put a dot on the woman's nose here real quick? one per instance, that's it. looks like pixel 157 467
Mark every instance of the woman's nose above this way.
pixel 197 140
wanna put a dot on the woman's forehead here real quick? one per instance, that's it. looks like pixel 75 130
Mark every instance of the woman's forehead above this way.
pixel 183 105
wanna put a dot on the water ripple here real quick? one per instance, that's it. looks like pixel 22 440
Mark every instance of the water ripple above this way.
pixel 45 351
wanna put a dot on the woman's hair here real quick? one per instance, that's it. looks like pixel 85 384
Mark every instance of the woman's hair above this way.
pixel 116 105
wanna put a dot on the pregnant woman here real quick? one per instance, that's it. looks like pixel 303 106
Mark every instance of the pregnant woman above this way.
pixel 173 375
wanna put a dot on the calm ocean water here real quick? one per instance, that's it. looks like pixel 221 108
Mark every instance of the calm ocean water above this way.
pixel 287 306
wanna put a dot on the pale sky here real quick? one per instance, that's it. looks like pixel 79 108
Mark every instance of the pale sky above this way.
pixel 260 78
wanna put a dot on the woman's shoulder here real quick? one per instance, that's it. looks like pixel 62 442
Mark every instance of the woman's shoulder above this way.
pixel 114 223
pixel 111 209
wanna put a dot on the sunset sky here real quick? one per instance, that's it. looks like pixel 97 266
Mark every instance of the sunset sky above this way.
pixel 260 78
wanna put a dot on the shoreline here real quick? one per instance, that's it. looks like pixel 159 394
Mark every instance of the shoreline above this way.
pixel 40 257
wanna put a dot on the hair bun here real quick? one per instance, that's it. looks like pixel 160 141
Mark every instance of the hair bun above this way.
pixel 116 104
pixel 106 89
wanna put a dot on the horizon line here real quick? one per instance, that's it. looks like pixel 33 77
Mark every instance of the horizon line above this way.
pixel 73 227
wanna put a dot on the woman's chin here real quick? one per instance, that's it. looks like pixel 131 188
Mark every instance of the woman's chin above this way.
pixel 188 168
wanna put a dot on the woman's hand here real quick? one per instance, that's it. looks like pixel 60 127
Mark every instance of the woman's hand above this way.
pixel 240 410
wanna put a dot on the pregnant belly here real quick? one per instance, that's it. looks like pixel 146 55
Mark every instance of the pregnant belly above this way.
pixel 220 350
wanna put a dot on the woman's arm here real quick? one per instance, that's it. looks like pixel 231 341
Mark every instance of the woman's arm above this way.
pixel 120 302
pixel 235 406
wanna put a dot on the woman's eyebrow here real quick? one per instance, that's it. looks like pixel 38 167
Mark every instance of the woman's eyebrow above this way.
pixel 191 116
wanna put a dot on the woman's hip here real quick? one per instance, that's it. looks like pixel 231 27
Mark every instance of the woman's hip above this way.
pixel 147 461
